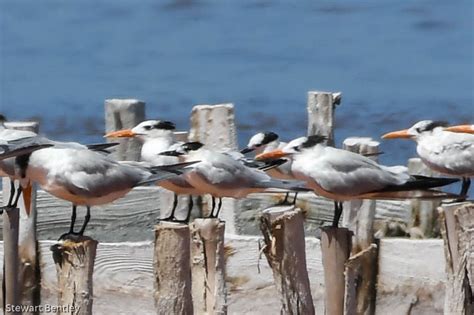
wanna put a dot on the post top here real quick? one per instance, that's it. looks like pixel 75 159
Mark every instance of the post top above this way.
pixel 361 140
pixel 209 107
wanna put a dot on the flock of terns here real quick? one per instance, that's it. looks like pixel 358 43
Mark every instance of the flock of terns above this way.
pixel 86 176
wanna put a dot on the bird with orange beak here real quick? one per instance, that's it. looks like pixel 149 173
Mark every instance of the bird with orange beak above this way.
pixel 341 175
pixel 447 150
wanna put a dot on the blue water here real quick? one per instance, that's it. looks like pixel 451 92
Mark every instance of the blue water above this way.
pixel 396 62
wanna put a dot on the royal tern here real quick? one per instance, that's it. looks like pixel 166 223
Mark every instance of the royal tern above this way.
pixel 87 178
pixel 447 150
pixel 341 175
pixel 221 175
pixel 157 137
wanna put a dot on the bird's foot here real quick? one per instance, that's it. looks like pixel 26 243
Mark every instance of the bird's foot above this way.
pixel 459 199
pixel 70 236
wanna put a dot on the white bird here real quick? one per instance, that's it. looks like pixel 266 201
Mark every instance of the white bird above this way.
pixel 86 178
pixel 342 175
pixel 157 137
pixel 447 150
pixel 263 142
pixel 220 175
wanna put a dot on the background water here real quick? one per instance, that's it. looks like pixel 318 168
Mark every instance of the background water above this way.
pixel 396 62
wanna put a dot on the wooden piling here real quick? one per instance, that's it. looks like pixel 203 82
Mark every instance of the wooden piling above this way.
pixel 214 125
pixel 358 216
pixel 172 269
pixel 11 219
pixel 321 106
pixel 424 216
pixel 283 233
pixel 208 266
pixel 335 251
pixel 29 273
pixel 74 262
pixel 458 235
pixel 121 114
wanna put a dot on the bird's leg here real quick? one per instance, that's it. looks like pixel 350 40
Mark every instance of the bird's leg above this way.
pixel 285 201
pixel 71 226
pixel 188 215
pixel 18 193
pixel 12 192
pixel 337 214
pixel 213 206
pixel 86 221
pixel 466 183
pixel 175 204
pixel 294 200
pixel 219 208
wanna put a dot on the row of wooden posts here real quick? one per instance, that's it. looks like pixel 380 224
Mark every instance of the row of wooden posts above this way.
pixel 189 260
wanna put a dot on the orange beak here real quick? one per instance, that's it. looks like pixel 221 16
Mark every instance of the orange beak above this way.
pixel 27 191
pixel 272 155
pixel 400 134
pixel 461 128
pixel 125 133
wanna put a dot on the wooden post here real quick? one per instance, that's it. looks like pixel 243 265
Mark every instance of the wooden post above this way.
pixel 283 233
pixel 458 235
pixel 359 215
pixel 11 218
pixel 120 114
pixel 361 268
pixel 321 107
pixel 172 269
pixel 75 266
pixel 208 266
pixel 214 125
pixel 335 249
pixel 424 217
pixel 29 275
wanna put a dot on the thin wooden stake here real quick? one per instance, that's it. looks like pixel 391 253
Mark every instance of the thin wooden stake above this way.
pixel 11 219
pixel 283 233
pixel 172 269
pixel 335 249
pixel 321 107
pixel 75 267
pixel 29 270
pixel 208 270
pixel 121 114
pixel 458 236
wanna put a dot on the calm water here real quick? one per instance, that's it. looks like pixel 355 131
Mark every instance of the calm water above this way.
pixel 396 62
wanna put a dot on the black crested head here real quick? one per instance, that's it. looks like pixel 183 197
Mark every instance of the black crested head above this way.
pixel 3 118
pixel 268 137
pixel 192 146
pixel 434 124
pixel 165 125
pixel 314 140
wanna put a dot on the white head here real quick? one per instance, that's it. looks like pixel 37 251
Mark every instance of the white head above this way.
pixel 421 128
pixel 260 140
pixel 149 129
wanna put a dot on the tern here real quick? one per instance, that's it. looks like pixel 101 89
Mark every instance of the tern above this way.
pixel 221 175
pixel 447 150
pixel 341 175
pixel 87 178
pixel 265 142
pixel 157 137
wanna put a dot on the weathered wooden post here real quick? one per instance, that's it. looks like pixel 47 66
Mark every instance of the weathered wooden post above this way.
pixel 423 212
pixel 121 114
pixel 29 273
pixel 358 216
pixel 172 269
pixel 11 218
pixel 208 266
pixel 283 233
pixel 458 235
pixel 75 267
pixel 214 125
pixel 321 106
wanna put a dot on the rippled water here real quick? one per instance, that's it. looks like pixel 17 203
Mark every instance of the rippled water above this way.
pixel 396 62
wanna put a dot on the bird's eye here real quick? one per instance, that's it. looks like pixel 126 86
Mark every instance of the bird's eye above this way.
pixel 297 149
pixel 418 130
pixel 147 127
